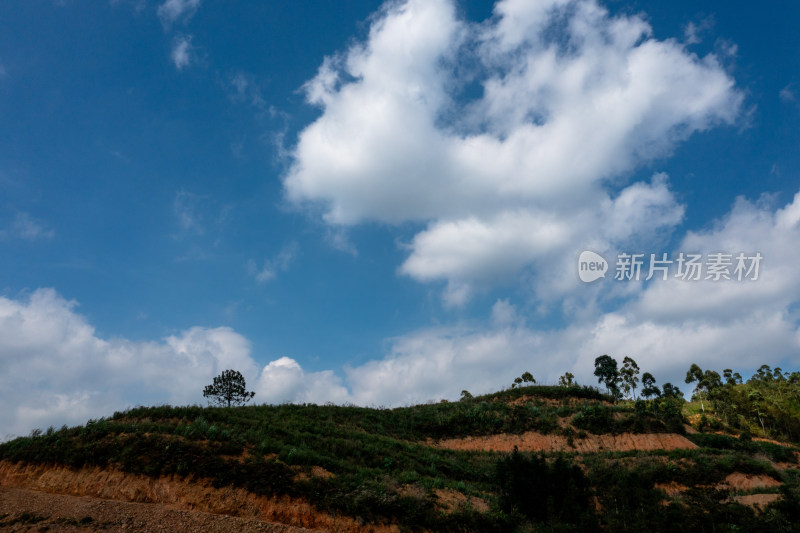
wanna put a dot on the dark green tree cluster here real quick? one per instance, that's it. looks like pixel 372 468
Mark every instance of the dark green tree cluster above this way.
pixel 664 403
pixel 554 493
pixel 706 382
pixel 623 382
pixel 768 402
pixel 567 380
pixel 605 368
pixel 526 377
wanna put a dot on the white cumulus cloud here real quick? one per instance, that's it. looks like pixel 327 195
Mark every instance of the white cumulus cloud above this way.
pixel 56 370
pixel 571 101
pixel 665 326
pixel 284 380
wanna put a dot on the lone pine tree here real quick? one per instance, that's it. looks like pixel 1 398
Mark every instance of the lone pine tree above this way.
pixel 228 389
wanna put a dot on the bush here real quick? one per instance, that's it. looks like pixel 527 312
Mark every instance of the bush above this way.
pixel 594 418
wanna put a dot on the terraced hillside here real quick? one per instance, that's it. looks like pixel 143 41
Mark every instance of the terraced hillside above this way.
pixel 525 459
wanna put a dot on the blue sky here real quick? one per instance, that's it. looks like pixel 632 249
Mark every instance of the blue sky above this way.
pixel 384 203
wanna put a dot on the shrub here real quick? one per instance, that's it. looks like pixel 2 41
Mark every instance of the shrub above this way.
pixel 594 418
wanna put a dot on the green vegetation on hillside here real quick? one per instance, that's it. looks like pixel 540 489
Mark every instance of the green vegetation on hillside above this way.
pixel 767 404
pixel 383 465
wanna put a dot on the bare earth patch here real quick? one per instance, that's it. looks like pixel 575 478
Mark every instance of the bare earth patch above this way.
pixel 785 466
pixel 63 513
pixel 316 471
pixel 740 481
pixel 176 494
pixel 672 488
pixel 756 501
pixel 535 442
pixel 450 501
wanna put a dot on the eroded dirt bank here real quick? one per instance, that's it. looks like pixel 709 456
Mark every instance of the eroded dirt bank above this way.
pixel 535 442
pixel 170 493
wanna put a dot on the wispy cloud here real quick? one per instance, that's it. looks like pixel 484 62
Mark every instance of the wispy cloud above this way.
pixel 338 239
pixel 243 87
pixel 693 31
pixel 788 93
pixel 240 83
pixel 27 228
pixel 172 11
pixel 271 267
pixel 186 208
pixel 120 155
pixel 138 5
pixel 182 51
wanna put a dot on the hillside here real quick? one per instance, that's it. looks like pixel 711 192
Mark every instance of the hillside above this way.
pixel 525 459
